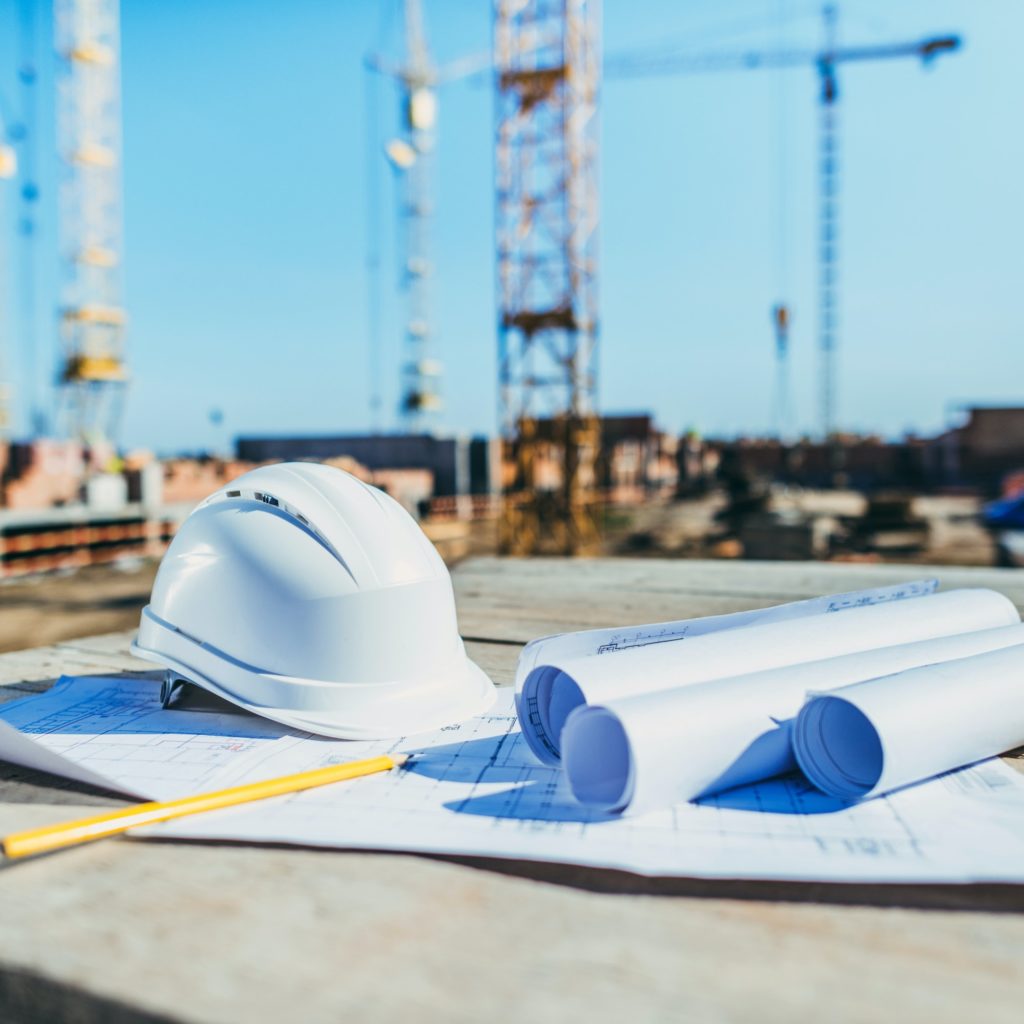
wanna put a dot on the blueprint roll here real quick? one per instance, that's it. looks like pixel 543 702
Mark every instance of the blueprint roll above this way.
pixel 869 738
pixel 557 685
pixel 638 753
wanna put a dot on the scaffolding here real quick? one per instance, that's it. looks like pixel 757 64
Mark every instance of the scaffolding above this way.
pixel 548 64
pixel 92 372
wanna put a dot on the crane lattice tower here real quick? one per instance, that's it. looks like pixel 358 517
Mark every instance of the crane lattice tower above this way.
pixel 412 156
pixel 548 64
pixel 92 370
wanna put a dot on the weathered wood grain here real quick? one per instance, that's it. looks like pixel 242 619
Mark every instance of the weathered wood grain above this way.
pixel 540 596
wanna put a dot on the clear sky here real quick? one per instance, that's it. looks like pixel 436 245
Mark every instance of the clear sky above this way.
pixel 245 152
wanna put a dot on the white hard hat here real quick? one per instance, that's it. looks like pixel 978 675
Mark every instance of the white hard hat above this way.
pixel 304 595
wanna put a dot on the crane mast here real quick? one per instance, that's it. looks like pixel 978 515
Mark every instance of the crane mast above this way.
pixel 828 225
pixel 548 66
pixel 421 400
pixel 411 155
pixel 92 371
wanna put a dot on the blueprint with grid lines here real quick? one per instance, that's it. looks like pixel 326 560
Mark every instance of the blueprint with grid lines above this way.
pixel 474 789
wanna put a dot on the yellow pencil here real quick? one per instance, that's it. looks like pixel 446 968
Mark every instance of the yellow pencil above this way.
pixel 68 833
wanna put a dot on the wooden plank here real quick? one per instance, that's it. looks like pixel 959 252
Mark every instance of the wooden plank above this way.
pixel 541 596
pixel 129 930
pixel 46 664
pixel 233 933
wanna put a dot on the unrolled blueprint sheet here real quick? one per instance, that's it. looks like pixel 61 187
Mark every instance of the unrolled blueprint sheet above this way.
pixel 474 789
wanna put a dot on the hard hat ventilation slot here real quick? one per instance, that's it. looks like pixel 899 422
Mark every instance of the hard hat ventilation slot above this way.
pixel 279 505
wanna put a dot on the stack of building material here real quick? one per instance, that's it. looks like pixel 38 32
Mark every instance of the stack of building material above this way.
pixel 43 474
pixel 784 536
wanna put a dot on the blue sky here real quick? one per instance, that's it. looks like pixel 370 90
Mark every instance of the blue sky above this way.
pixel 245 151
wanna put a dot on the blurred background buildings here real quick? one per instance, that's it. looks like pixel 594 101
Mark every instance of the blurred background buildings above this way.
pixel 453 247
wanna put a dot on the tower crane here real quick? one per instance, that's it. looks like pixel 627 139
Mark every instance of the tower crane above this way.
pixel 547 61
pixel 548 68
pixel 92 370
pixel 827 61
pixel 411 157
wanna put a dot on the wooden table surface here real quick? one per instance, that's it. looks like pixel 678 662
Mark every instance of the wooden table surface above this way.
pixel 134 930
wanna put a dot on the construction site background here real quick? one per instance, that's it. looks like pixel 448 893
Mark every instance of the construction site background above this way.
pixel 560 476
pixel 873 484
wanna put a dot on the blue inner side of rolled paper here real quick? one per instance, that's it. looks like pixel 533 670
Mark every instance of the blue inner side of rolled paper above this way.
pixel 598 759
pixel 837 747
pixel 547 698
pixel 566 696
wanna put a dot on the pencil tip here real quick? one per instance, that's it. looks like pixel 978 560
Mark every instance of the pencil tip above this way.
pixel 402 759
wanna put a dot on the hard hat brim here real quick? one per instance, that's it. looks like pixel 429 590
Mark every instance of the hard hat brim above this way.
pixel 422 706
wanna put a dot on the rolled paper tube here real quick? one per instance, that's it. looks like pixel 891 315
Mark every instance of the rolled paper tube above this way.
pixel 655 749
pixel 872 737
pixel 552 691
pixel 533 688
